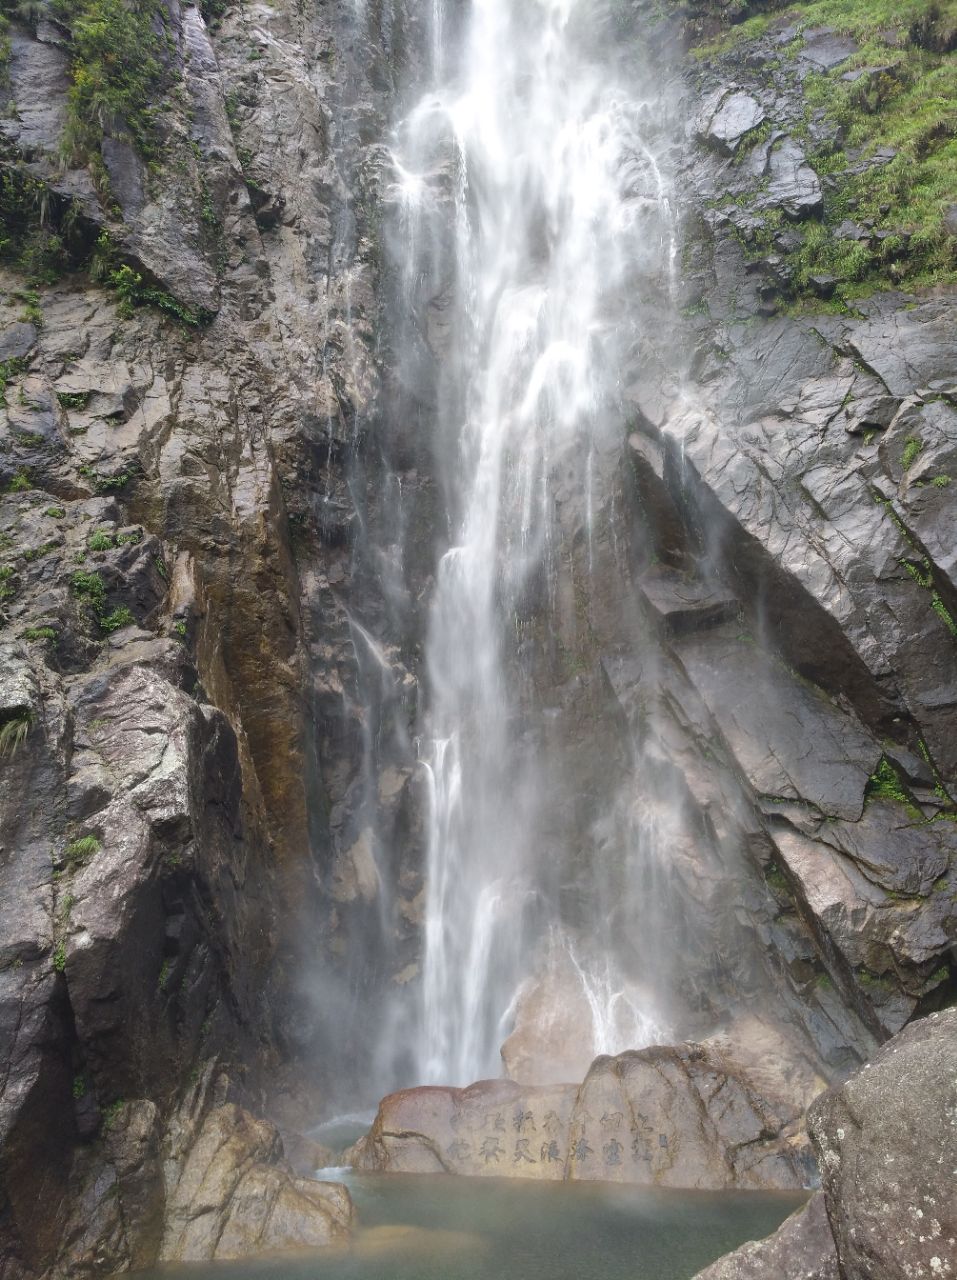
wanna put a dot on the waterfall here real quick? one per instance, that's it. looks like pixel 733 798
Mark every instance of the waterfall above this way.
pixel 531 197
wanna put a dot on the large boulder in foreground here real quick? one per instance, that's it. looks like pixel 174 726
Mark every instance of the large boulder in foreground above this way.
pixel 670 1117
pixel 887 1141
pixel 887 1146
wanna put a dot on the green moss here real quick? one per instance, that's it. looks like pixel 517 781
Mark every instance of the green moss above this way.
pixel 56 513
pixel 946 617
pixel 941 481
pixel 910 108
pixel 776 879
pixel 31 231
pixel 91 586
pixel 111 1113
pixel 37 553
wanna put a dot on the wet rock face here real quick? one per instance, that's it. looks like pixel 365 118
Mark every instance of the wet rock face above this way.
pixel 670 1117
pixel 170 581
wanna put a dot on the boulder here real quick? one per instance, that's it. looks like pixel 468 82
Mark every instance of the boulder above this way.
pixel 802 1248
pixel 726 121
pixel 684 1116
pixel 887 1148
pixel 235 1197
pixel 887 1142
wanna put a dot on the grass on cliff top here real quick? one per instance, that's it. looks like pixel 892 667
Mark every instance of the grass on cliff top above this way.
pixel 909 107
pixel 862 19
pixel 913 199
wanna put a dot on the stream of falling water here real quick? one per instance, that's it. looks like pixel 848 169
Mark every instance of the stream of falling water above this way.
pixel 528 176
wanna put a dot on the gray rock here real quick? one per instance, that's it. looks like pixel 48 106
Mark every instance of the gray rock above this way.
pixel 234 1197
pixel 733 116
pixel 824 49
pixel 674 1117
pixel 801 1249
pixel 794 186
pixel 16 341
pixel 888 1150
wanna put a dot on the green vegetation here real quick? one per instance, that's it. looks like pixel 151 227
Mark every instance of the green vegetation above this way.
pixel 912 448
pixel 13 733
pixel 119 617
pixel 39 633
pixel 33 228
pixel 7 590
pixel 896 96
pixel 923 575
pixel 941 482
pixel 111 1113
pixel 107 484
pixel 37 553
pixel 118 77
pixel 100 541
pixel 73 399
pixel 31 313
pixel 79 852
pixel 20 482
pixel 164 975
pixel 79 1086
pixel 56 513
pixel 59 957
pixel 9 369
pixel 179 629
pixel 91 586
pixel 132 291
pixel 885 784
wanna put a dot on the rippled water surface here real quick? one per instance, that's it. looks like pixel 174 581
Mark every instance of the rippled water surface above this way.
pixel 438 1228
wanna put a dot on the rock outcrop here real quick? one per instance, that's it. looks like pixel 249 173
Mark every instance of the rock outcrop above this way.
pixel 665 1117
pixel 886 1143
pixel 232 1197
pixel 801 1249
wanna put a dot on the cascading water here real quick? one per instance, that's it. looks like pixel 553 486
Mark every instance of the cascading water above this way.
pixel 528 183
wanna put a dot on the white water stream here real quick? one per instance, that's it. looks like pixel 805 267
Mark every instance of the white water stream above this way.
pixel 528 177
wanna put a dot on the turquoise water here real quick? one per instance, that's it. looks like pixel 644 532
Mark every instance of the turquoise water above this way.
pixel 419 1227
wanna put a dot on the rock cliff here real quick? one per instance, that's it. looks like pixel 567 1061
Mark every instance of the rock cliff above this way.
pixel 217 536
